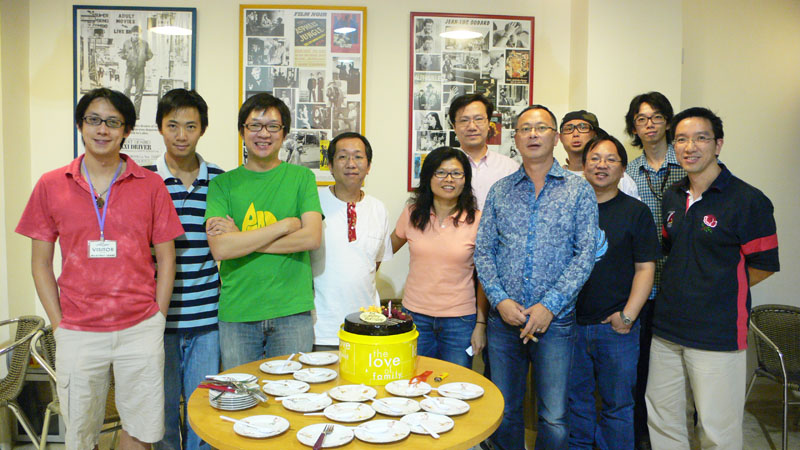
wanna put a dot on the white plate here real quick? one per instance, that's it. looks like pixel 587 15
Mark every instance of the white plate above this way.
pixel 280 367
pixel 352 393
pixel 403 389
pixel 402 404
pixel 382 431
pixel 285 388
pixel 445 405
pixel 307 402
pixel 349 412
pixel 235 406
pixel 461 391
pixel 318 358
pixel 341 435
pixel 315 375
pixel 241 377
pixel 268 426
pixel 438 423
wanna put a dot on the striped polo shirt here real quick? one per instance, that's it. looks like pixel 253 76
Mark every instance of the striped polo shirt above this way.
pixel 195 295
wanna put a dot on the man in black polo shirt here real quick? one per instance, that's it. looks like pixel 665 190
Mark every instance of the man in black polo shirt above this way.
pixel 720 235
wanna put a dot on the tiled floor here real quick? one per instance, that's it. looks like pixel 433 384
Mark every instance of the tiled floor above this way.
pixel 762 422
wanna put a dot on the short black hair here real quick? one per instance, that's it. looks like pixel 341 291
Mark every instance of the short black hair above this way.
pixel 462 101
pixel 181 98
pixel 705 113
pixel 658 102
pixel 349 135
pixel 263 102
pixel 542 107
pixel 117 99
pixel 595 141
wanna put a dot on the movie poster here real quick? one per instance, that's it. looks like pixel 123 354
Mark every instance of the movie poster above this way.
pixel 496 61
pixel 313 60
pixel 142 52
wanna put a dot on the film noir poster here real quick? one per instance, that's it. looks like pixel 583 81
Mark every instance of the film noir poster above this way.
pixel 313 60
pixel 496 60
pixel 142 52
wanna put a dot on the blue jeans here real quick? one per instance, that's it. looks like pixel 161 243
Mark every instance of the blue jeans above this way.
pixel 188 358
pixel 244 342
pixel 550 358
pixel 445 338
pixel 607 360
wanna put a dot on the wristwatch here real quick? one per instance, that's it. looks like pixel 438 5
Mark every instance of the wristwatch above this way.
pixel 625 319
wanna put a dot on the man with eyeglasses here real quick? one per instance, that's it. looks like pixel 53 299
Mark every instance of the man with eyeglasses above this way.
pixel 267 296
pixel 721 238
pixel 656 169
pixel 469 116
pixel 577 128
pixel 108 307
pixel 535 249
pixel 607 343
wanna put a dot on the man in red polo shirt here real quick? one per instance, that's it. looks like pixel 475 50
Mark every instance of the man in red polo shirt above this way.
pixel 108 308
pixel 720 235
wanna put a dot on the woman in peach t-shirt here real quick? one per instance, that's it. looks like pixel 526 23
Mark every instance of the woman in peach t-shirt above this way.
pixel 440 224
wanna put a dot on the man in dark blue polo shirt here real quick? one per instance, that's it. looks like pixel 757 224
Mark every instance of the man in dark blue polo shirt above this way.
pixel 720 235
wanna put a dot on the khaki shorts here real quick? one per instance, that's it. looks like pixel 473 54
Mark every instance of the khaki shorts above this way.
pixel 83 363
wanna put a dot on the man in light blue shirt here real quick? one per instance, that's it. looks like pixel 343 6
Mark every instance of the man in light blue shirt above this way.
pixel 535 249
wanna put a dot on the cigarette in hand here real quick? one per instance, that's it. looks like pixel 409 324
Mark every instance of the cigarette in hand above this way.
pixel 530 336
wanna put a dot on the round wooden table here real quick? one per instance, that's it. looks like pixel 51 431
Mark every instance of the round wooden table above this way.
pixel 471 428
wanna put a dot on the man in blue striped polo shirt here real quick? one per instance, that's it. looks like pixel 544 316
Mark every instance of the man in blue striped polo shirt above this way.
pixel 191 342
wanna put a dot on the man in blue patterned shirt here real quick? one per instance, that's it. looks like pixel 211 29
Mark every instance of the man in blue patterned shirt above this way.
pixel 191 341
pixel 647 123
pixel 534 251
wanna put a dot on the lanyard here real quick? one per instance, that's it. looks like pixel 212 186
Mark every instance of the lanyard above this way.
pixel 659 193
pixel 101 221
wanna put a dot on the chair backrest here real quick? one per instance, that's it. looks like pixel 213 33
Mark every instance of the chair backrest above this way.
pixel 781 324
pixel 27 326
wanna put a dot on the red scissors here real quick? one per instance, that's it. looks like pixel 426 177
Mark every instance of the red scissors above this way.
pixel 216 387
pixel 421 377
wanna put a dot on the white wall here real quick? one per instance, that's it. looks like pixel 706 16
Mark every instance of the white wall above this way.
pixel 742 60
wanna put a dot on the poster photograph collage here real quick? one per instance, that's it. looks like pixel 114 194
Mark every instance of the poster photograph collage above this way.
pixel 312 60
pixel 496 62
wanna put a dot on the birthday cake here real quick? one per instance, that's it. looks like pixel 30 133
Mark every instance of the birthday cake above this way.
pixel 377 347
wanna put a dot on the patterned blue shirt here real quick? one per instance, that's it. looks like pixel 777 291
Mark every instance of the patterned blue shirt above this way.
pixel 537 250
pixel 195 295
pixel 651 185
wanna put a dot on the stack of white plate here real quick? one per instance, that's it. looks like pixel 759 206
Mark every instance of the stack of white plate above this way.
pixel 229 401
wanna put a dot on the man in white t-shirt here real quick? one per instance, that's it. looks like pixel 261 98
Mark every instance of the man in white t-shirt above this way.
pixel 354 243
pixel 577 128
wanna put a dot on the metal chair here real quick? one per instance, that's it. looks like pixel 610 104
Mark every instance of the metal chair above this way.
pixel 776 329
pixel 46 357
pixel 11 385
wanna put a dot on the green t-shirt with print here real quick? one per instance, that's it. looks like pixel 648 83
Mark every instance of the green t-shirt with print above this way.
pixel 262 286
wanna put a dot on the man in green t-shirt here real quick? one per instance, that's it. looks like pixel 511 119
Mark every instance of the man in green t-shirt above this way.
pixel 266 296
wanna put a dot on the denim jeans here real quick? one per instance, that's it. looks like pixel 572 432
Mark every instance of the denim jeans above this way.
pixel 445 338
pixel 244 342
pixel 604 359
pixel 188 358
pixel 639 407
pixel 551 358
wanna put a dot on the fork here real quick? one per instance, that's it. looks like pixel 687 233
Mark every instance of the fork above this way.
pixel 326 431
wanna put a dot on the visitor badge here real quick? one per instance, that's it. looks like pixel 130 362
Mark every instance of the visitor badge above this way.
pixel 102 249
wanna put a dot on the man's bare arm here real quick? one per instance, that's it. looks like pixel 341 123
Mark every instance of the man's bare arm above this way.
pixel 757 275
pixel 165 274
pixel 308 237
pixel 44 279
pixel 235 244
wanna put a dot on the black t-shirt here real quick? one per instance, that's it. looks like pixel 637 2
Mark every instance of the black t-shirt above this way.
pixel 630 231
pixel 704 300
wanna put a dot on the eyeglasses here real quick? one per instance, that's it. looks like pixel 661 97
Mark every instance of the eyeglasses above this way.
pixel 257 127
pixel 111 122
pixel 657 119
pixel 456 174
pixel 582 127
pixel 596 159
pixel 464 121
pixel 698 140
pixel 538 129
